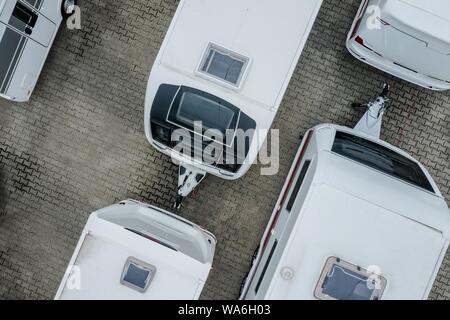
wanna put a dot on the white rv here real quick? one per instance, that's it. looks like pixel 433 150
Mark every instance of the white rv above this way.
pixel 135 251
pixel 407 38
pixel 357 219
pixel 27 31
pixel 226 63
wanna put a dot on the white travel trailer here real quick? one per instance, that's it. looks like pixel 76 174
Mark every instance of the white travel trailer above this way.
pixel 357 218
pixel 226 63
pixel 27 31
pixel 135 251
pixel 407 38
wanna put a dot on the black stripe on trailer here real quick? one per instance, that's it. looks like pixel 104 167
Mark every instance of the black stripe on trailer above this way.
pixel 39 4
pixel 11 46
pixel 266 265
pixel 23 45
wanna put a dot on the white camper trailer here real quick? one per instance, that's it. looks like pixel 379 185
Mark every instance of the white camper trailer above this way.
pixel 135 251
pixel 226 64
pixel 27 31
pixel 357 219
pixel 407 38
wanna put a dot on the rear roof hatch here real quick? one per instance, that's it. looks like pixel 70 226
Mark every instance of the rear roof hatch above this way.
pixel 428 57
pixel 415 35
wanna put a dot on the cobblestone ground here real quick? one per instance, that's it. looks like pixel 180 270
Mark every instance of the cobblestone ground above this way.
pixel 79 145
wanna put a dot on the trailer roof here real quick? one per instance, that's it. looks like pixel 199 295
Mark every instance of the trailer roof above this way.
pixel 101 255
pixel 370 220
pixel 246 28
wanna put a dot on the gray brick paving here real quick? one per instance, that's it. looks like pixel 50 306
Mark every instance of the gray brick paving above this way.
pixel 79 144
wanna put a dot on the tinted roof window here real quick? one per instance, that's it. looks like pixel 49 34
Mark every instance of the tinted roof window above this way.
pixel 341 280
pixel 343 284
pixel 213 115
pixel 191 105
pixel 224 64
pixel 380 158
pixel 136 276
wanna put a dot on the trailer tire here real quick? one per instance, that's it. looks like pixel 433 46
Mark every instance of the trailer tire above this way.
pixel 255 255
pixel 241 288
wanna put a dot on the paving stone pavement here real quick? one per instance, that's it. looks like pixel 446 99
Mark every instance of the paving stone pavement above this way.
pixel 79 144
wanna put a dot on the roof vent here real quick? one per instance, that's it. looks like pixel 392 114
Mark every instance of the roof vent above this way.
pixel 223 65
pixel 137 274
